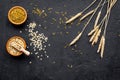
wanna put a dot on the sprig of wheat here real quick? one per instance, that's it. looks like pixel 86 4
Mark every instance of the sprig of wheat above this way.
pixel 101 47
pixel 99 14
pixel 96 32
pixel 83 29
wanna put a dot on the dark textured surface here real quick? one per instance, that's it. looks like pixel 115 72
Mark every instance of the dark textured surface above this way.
pixel 87 66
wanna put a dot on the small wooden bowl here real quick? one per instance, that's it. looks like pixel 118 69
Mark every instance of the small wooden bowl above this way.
pixel 12 51
pixel 17 15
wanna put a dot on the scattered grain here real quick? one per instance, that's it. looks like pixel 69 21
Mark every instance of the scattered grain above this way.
pixel 41 59
pixel 49 45
pixel 38 57
pixel 53 62
pixel 30 62
pixel 53 33
pixel 20 31
pixel 67 32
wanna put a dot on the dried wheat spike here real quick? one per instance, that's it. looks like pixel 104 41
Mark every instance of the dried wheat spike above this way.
pixel 97 19
pixel 76 39
pixel 73 18
pixel 92 31
pixel 101 46
pixel 97 36
pixel 93 36
pixel 86 15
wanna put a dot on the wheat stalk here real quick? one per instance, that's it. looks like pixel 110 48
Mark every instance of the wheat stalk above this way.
pixel 99 14
pixel 96 30
pixel 90 12
pixel 80 34
pixel 79 14
pixel 101 47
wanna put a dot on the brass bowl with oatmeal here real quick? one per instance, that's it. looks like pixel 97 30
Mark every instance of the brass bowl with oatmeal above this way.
pixel 17 15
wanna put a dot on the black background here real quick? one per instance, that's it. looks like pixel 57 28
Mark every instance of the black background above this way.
pixel 86 66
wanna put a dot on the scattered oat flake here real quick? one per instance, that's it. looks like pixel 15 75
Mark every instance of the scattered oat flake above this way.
pixel 53 33
pixel 75 45
pixel 41 55
pixel 47 56
pixel 53 19
pixel 53 62
pixel 50 8
pixel 70 66
pixel 67 32
pixel 30 62
pixel 20 31
pixel 38 56
pixel 45 27
pixel 49 45
pixel 41 59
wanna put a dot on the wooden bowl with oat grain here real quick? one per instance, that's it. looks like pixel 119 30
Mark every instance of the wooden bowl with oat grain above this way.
pixel 12 51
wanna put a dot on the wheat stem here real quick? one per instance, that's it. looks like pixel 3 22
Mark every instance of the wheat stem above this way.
pixel 89 6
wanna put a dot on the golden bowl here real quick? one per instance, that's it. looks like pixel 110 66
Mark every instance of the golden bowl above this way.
pixel 17 15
